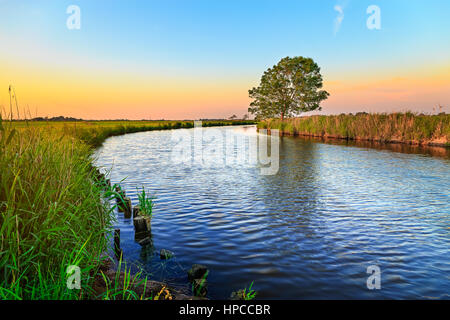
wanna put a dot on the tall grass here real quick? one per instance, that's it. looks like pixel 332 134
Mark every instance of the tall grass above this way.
pixel 94 133
pixel 51 215
pixel 122 285
pixel 395 127
pixel 145 203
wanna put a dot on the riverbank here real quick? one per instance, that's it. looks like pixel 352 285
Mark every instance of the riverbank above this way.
pixel 407 128
pixel 51 213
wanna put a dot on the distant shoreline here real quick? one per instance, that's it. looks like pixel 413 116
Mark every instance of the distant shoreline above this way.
pixel 394 128
pixel 325 137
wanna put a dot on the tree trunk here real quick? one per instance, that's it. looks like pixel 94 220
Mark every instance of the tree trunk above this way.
pixel 282 116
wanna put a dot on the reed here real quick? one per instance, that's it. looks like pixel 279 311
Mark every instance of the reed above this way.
pixel 51 215
pixel 145 203
pixel 406 127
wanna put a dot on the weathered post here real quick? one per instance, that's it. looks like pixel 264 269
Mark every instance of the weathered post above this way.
pixel 142 224
pixel 121 200
pixel 120 194
pixel 127 207
pixel 197 276
pixel 136 211
pixel 200 287
pixel 117 249
pixel 142 227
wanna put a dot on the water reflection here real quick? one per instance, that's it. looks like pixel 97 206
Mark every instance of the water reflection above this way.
pixel 310 231
pixel 435 151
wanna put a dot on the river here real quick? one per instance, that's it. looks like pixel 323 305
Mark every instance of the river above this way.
pixel 308 232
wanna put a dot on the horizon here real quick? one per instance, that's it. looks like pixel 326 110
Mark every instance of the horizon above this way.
pixel 191 60
pixel 62 118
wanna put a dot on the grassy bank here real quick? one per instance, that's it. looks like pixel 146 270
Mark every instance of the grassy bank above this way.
pixel 51 213
pixel 94 133
pixel 407 127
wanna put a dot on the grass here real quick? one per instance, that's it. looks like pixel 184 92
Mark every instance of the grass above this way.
pixel 93 133
pixel 123 285
pixel 245 294
pixel 249 293
pixel 51 212
pixel 51 215
pixel 199 288
pixel 394 127
pixel 145 203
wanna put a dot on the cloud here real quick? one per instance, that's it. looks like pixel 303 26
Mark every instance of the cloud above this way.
pixel 339 18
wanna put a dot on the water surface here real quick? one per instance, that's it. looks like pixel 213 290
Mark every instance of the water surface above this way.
pixel 308 232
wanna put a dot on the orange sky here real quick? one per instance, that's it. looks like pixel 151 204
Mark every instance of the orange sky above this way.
pixel 99 94
pixel 114 94
pixel 420 90
pixel 155 61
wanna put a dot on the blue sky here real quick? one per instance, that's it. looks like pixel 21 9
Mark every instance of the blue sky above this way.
pixel 229 41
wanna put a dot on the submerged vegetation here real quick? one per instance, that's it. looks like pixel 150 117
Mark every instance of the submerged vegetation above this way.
pixel 51 213
pixel 395 127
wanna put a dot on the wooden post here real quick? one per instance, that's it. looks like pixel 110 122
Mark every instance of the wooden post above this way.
pixel 121 194
pixel 136 211
pixel 122 204
pixel 117 249
pixel 127 208
pixel 142 224
pixel 200 287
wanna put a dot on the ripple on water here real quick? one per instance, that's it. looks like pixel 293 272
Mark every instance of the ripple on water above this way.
pixel 310 231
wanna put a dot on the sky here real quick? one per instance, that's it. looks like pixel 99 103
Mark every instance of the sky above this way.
pixel 192 59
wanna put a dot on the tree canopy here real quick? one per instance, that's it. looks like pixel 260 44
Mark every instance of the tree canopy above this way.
pixel 288 89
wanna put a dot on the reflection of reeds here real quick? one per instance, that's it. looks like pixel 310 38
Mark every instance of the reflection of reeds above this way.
pixel 395 127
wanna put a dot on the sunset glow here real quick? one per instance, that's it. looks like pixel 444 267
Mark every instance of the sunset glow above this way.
pixel 197 59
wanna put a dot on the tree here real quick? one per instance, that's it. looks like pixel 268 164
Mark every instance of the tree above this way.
pixel 288 89
pixel 233 117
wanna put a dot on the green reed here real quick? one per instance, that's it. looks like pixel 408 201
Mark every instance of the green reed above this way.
pixel 51 215
pixel 400 127
pixel 145 203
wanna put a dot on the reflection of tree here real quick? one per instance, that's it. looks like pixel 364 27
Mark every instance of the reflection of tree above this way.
pixel 291 195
